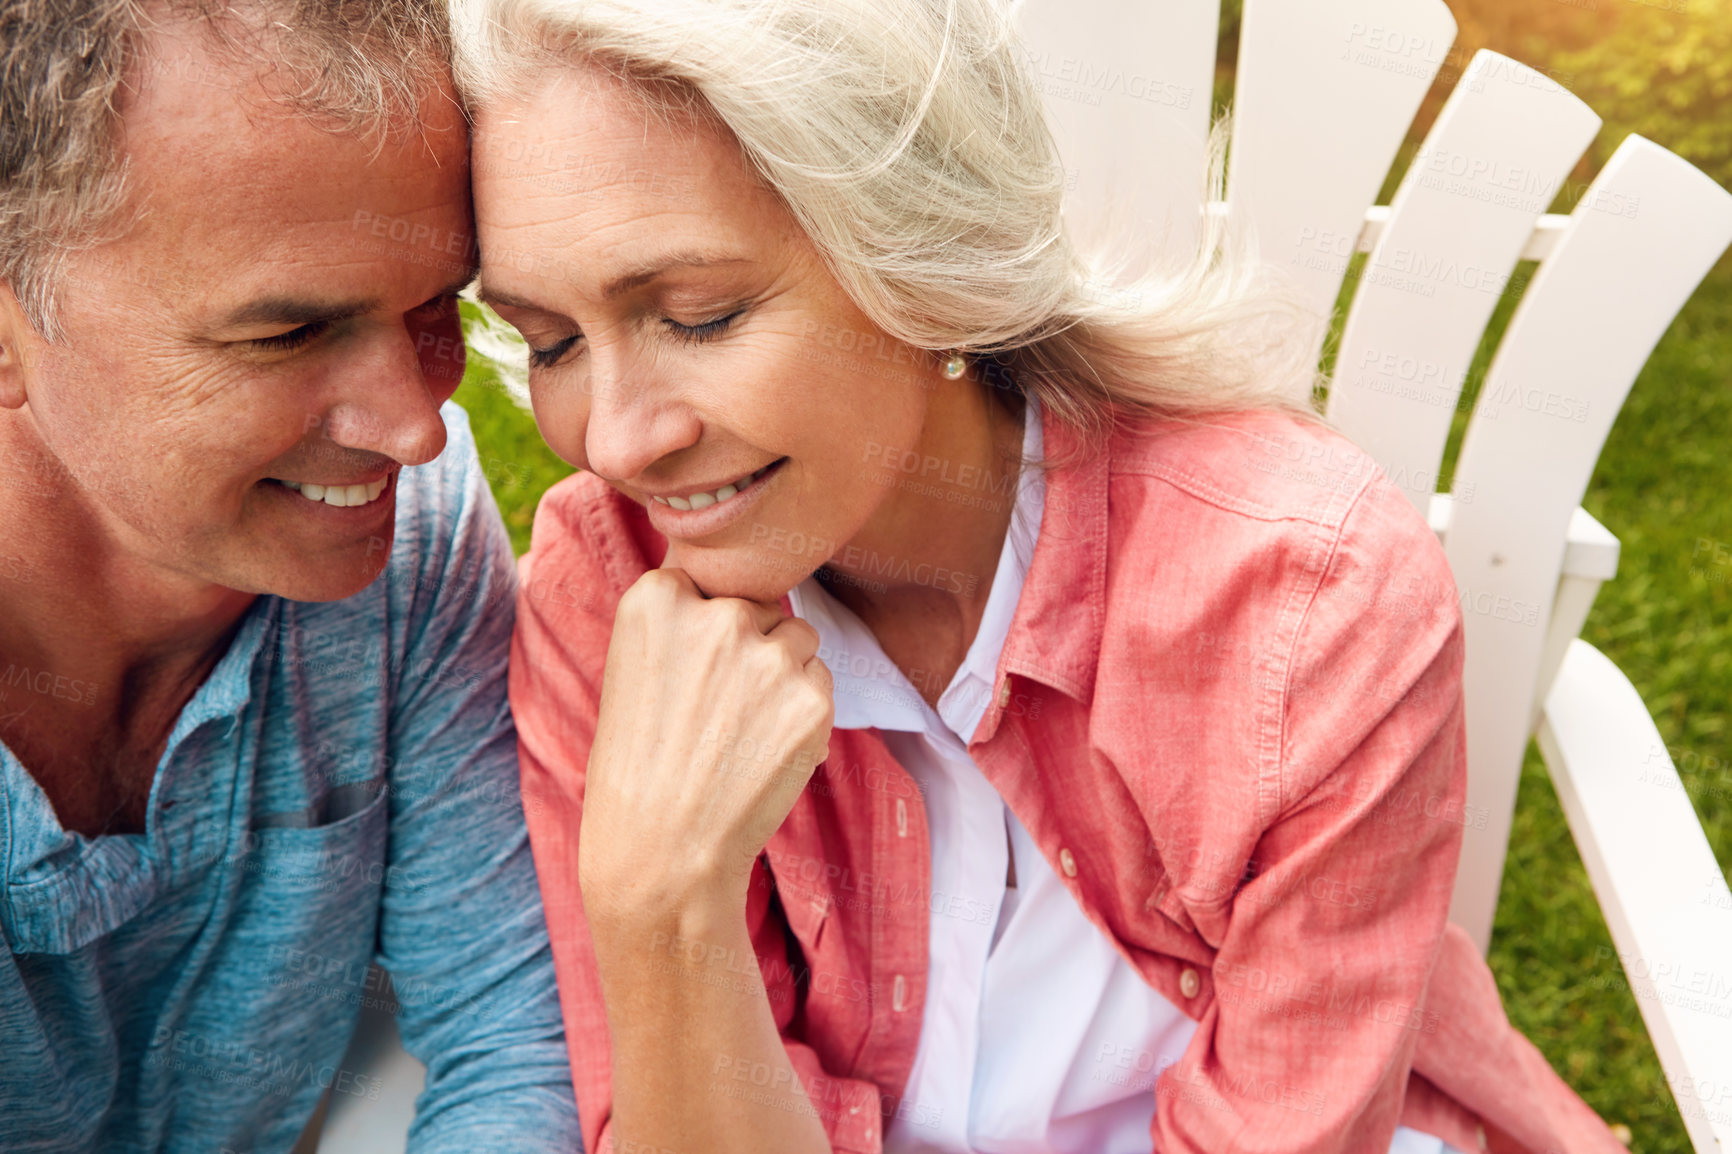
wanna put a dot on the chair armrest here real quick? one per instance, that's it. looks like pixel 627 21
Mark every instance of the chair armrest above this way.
pixel 1664 896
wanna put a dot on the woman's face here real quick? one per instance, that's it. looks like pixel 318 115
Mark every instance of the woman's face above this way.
pixel 689 346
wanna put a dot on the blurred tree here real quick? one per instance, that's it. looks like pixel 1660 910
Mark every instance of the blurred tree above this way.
pixel 1227 53
pixel 1662 68
pixel 1535 32
pixel 1664 71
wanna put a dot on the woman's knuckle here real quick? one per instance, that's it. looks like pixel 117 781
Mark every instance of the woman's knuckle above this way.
pixel 647 593
pixel 729 614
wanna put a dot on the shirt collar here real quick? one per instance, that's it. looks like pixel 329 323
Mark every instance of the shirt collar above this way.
pixel 1055 636
pixel 870 692
pixel 62 890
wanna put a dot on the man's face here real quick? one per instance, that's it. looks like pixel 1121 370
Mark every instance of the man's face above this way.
pixel 280 319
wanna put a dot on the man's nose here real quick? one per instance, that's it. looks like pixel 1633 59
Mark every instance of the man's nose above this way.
pixel 387 405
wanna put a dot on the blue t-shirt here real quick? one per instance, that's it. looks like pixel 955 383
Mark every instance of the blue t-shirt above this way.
pixel 343 789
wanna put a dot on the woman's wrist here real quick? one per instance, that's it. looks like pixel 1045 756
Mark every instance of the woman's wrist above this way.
pixel 686 900
pixel 660 947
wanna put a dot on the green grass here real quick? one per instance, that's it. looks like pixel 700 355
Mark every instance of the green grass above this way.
pixel 519 465
pixel 1662 486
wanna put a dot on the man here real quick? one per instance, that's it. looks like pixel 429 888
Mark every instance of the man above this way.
pixel 253 620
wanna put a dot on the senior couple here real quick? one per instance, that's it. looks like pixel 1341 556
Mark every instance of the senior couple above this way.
pixel 1106 842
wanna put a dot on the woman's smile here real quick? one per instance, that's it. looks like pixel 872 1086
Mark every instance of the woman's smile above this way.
pixel 691 513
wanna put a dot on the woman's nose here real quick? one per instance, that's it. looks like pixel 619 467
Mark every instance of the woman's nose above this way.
pixel 633 422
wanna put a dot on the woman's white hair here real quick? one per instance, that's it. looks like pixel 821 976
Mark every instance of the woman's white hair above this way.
pixel 908 139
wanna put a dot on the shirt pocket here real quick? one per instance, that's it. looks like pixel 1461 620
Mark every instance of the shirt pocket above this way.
pixel 294 961
pixel 299 856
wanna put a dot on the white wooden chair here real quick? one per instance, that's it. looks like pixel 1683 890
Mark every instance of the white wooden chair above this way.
pixel 1326 92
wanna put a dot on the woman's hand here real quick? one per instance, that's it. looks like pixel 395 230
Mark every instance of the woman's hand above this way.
pixel 713 715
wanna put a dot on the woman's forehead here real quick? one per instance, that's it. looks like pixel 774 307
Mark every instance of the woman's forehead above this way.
pixel 580 161
pixel 565 103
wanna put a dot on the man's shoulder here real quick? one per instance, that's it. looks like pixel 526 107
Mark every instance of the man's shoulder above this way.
pixel 450 547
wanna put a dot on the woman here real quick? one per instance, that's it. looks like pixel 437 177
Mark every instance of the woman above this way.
pixel 1137 819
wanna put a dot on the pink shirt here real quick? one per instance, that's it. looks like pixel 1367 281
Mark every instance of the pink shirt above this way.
pixel 1228 713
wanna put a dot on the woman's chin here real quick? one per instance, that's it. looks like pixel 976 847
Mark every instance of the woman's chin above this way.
pixel 750 574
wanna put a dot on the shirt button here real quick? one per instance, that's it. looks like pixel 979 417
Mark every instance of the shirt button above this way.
pixel 1004 693
pixel 898 994
pixel 1067 863
pixel 1189 983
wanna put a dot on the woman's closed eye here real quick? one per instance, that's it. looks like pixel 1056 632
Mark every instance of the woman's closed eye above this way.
pixel 706 331
pixel 546 358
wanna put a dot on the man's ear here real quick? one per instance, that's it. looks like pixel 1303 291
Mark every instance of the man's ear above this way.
pixel 17 335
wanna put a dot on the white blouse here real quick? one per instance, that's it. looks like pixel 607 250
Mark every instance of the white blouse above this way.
pixel 1038 1037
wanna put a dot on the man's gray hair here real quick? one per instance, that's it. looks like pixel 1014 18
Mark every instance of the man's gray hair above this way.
pixel 66 66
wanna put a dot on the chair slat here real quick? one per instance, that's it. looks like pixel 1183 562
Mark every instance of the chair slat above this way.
pixel 1497 156
pixel 1325 93
pixel 1642 238
pixel 1128 86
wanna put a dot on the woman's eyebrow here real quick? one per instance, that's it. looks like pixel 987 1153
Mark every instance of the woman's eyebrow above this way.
pixel 493 296
pixel 624 282
pixel 643 274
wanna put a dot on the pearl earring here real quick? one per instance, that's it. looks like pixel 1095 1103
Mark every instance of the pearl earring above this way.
pixel 955 367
